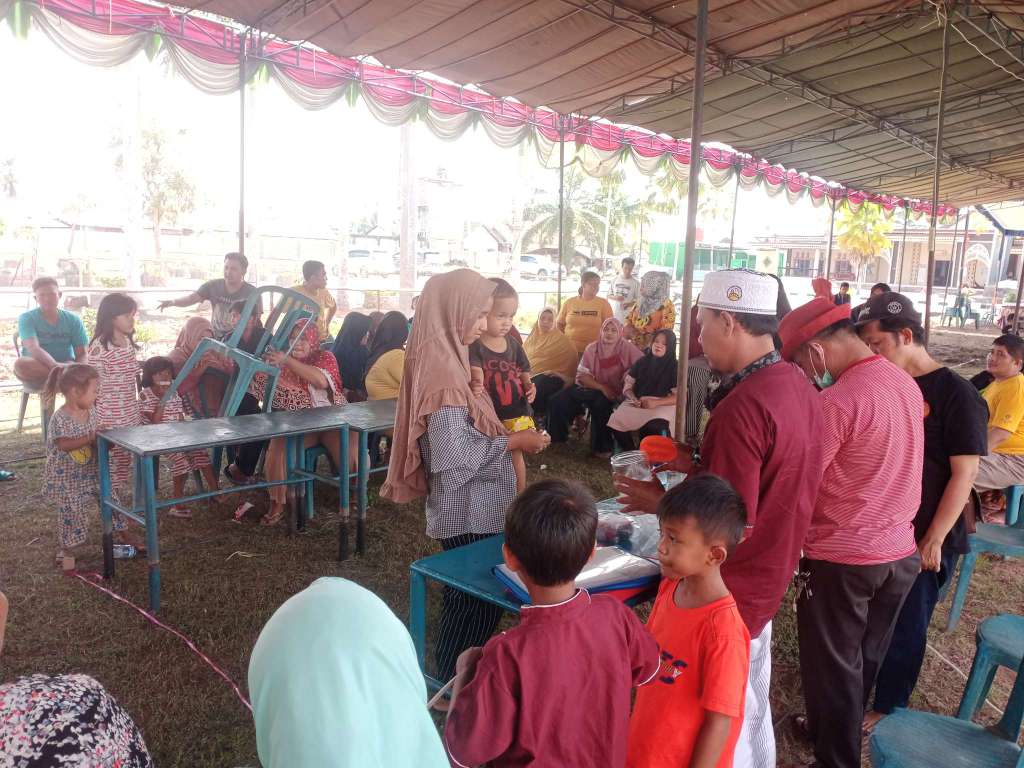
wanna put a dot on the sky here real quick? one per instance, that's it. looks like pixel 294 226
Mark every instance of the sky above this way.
pixel 308 171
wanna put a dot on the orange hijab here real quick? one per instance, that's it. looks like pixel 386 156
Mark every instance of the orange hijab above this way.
pixel 436 375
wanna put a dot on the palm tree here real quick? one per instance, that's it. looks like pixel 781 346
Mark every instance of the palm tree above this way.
pixel 584 219
pixel 863 234
pixel 713 203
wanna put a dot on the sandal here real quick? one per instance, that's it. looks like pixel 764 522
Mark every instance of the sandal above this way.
pixel 6 475
pixel 272 518
pixel 182 513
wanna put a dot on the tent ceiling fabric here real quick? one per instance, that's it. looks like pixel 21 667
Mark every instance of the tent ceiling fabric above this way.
pixel 844 89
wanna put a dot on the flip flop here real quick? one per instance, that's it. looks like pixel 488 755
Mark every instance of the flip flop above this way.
pixel 6 475
pixel 180 512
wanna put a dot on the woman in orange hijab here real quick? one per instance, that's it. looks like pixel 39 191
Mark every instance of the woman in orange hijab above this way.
pixel 450 446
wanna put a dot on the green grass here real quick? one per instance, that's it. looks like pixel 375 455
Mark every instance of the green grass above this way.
pixel 221 599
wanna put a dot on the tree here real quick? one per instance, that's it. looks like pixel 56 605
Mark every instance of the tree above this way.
pixel 862 233
pixel 166 192
pixel 713 203
pixel 584 219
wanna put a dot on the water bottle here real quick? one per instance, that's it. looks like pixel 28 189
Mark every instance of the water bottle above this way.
pixel 124 551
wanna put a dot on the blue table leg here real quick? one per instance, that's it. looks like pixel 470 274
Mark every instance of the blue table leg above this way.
pixel 106 514
pixel 292 506
pixel 364 482
pixel 343 496
pixel 144 466
pixel 418 615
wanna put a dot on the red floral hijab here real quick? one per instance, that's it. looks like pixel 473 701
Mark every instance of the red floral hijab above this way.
pixel 317 357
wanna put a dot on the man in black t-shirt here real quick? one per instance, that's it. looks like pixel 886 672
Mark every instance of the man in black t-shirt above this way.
pixel 955 437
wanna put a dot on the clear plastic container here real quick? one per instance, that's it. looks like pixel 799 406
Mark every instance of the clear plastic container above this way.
pixel 632 464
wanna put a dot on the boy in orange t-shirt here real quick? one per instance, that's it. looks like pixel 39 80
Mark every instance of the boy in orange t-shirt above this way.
pixel 691 713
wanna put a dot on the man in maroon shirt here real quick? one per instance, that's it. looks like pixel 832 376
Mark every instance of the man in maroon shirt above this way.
pixel 764 438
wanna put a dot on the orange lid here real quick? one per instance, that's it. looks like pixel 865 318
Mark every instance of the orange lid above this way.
pixel 658 449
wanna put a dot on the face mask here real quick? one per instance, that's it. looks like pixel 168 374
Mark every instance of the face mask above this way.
pixel 825 380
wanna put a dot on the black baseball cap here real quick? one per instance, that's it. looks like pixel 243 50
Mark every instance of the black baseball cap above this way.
pixel 885 305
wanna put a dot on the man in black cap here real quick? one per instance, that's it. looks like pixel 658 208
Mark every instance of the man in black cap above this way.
pixel 955 436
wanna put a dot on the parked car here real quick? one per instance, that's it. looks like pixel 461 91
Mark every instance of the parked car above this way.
pixel 538 268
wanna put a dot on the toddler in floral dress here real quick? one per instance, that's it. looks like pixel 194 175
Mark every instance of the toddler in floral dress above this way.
pixel 157 375
pixel 112 352
pixel 70 479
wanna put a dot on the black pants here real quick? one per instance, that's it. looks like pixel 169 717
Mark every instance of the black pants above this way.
pixel 902 664
pixel 845 617
pixel 570 403
pixel 548 385
pixel 466 621
pixel 652 427
pixel 247 455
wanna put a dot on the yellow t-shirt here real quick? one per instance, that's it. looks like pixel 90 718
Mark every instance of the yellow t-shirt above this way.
pixel 328 306
pixel 384 379
pixel 1006 411
pixel 583 319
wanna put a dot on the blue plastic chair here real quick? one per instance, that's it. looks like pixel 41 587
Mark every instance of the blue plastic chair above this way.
pixel 290 309
pixel 1000 642
pixel 1006 540
pixel 1013 494
pixel 908 739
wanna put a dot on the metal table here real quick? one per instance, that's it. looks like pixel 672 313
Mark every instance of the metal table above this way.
pixel 468 569
pixel 364 419
pixel 148 441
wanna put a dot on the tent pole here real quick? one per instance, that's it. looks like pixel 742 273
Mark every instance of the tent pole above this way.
pixel 241 142
pixel 561 203
pixel 1020 288
pixel 903 249
pixel 949 272
pixel 963 253
pixel 735 202
pixel 696 155
pixel 831 229
pixel 935 180
pixel 999 270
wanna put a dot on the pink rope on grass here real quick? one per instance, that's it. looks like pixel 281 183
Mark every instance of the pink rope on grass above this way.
pixel 92 580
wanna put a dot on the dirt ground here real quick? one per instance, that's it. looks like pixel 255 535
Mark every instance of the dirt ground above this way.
pixel 222 580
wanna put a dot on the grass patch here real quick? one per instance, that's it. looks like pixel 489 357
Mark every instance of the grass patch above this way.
pixel 221 599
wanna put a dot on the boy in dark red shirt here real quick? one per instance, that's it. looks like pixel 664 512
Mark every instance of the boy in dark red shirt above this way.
pixel 555 690
pixel 692 713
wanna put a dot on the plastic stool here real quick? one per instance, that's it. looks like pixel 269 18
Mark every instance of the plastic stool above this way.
pixel 1000 643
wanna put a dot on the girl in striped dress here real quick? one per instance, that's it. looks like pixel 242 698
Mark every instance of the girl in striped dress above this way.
pixel 112 351
pixel 157 375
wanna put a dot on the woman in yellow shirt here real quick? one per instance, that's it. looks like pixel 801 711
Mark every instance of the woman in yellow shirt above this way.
pixel 387 358
pixel 581 317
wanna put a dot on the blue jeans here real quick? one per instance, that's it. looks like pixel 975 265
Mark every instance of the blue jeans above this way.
pixel 898 673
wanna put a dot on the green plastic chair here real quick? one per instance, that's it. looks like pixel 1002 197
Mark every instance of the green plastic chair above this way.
pixel 290 309
pixel 1006 540
pixel 909 739
pixel 1000 643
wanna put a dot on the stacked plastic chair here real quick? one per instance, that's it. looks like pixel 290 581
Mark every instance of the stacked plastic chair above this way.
pixel 290 309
